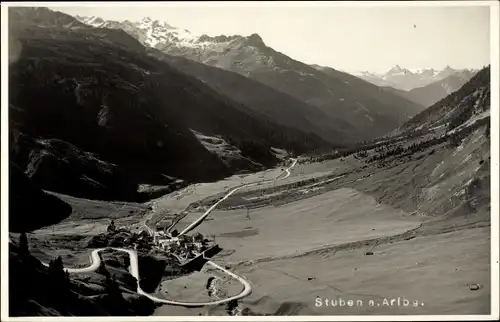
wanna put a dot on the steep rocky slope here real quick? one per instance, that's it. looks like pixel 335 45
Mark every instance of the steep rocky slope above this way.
pixel 261 99
pixel 91 105
pixel 351 111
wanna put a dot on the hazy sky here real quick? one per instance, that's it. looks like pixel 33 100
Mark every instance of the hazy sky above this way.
pixel 351 39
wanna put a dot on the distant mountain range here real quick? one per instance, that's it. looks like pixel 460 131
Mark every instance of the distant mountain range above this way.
pixel 408 79
pixel 469 104
pixel 434 92
pixel 340 106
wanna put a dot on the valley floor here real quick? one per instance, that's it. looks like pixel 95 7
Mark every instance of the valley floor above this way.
pixel 431 265
pixel 365 234
pixel 356 231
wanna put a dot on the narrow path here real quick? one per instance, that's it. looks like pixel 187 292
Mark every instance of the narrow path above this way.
pixel 134 266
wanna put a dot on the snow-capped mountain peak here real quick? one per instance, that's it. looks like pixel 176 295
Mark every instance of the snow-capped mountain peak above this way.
pixel 154 33
pixel 148 31
pixel 397 71
pixel 407 79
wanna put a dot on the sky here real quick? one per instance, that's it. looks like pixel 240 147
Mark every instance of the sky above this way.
pixel 346 38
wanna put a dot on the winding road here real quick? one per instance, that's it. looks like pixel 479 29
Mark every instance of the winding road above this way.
pixel 202 217
pixel 134 264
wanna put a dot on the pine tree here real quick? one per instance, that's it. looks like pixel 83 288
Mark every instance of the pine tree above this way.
pixel 59 279
pixel 102 269
pixel 126 261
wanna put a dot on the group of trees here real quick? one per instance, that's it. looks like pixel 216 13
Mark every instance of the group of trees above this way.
pixel 361 154
pixel 360 149
pixel 454 139
pixel 391 151
pixel 59 277
pixel 410 149
pixel 388 148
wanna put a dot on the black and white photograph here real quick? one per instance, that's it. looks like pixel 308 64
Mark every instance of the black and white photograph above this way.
pixel 291 161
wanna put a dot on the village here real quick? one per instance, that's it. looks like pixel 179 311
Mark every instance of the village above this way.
pixel 191 251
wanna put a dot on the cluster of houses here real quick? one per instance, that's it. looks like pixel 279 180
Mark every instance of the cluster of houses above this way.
pixel 189 250
pixel 184 247
pixel 123 237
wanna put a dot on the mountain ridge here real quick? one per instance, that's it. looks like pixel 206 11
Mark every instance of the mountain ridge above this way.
pixel 134 109
pixel 409 79
pixel 353 113
pixel 435 91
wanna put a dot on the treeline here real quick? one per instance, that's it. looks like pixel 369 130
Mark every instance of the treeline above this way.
pixel 453 140
pixel 361 147
pixel 390 148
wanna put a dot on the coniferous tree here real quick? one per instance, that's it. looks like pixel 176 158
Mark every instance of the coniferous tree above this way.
pixel 56 269
pixel 102 269
pixel 59 283
pixel 126 261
